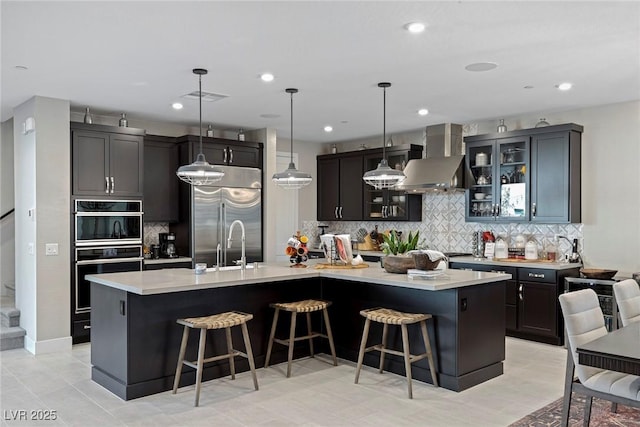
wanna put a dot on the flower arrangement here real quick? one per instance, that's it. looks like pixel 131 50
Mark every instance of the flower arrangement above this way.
pixel 297 250
pixel 394 245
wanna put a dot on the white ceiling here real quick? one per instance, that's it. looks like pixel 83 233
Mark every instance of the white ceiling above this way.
pixel 137 57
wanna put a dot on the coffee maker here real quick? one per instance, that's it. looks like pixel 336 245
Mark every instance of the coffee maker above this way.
pixel 168 245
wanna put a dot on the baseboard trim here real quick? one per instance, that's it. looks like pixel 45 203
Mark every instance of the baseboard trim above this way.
pixel 55 345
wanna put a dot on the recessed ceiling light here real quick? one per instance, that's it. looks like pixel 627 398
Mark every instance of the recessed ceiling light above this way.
pixel 564 86
pixel 266 77
pixel 176 106
pixel 415 27
pixel 423 111
pixel 328 128
pixel 21 67
pixel 481 66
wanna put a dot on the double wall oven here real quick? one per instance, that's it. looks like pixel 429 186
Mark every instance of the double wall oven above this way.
pixel 107 239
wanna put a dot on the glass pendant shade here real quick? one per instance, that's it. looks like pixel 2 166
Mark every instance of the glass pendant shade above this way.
pixel 200 172
pixel 383 176
pixel 291 178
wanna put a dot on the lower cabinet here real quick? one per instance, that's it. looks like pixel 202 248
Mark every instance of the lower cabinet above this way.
pixel 532 310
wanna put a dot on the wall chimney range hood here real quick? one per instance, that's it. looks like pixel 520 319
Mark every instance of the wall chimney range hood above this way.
pixel 443 168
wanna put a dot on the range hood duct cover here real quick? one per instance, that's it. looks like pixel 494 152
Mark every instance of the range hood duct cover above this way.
pixel 443 169
pixel 432 174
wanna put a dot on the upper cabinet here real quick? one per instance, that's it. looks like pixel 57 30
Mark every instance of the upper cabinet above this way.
pixel 160 180
pixel 343 195
pixel 227 152
pixel 529 175
pixel 107 160
pixel 340 187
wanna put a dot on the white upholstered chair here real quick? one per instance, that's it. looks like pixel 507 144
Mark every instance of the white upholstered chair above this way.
pixel 627 294
pixel 584 322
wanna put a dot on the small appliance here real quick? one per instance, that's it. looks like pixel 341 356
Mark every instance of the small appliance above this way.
pixel 167 245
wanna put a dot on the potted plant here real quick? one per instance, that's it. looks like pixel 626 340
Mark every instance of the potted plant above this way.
pixel 398 259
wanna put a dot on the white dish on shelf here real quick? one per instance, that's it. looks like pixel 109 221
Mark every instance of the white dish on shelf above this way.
pixel 377 200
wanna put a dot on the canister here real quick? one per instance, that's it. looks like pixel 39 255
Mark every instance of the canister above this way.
pixel 531 250
pixel 482 159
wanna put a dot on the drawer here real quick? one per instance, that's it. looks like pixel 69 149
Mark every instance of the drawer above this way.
pixel 537 275
pixel 484 267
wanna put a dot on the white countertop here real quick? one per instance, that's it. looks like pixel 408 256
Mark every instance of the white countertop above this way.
pixel 181 279
pixel 518 263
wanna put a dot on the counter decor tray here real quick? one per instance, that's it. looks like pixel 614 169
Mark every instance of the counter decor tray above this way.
pixel 326 266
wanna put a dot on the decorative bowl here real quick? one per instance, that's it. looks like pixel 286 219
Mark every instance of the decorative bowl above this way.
pixel 479 196
pixel 597 273
pixel 398 263
pixel 423 262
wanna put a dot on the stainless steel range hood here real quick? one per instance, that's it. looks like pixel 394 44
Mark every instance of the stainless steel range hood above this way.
pixel 443 168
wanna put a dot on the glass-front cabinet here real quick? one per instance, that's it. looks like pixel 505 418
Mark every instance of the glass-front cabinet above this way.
pixel 389 204
pixel 499 174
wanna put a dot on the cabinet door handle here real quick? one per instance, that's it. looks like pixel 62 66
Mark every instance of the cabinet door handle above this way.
pixel 224 156
pixel 533 209
pixel 385 211
pixel 106 181
pixel 497 209
pixel 113 185
pixel 499 271
pixel 335 212
pixel 230 155
pixel 520 293
pixel 537 275
pixel 86 327
pixel 340 212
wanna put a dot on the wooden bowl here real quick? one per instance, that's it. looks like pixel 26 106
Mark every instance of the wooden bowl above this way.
pixel 597 273
pixel 423 262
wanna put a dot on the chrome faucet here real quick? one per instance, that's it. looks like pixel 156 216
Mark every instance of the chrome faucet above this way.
pixel 218 253
pixel 575 254
pixel 243 259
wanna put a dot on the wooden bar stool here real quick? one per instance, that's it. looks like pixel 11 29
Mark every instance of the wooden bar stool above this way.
pixel 391 317
pixel 306 306
pixel 216 321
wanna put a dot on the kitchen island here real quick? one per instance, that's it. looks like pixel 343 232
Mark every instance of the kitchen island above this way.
pixel 135 338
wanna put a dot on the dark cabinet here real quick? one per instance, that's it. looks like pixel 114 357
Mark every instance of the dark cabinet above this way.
pixel 340 187
pixel 343 195
pixel 107 161
pixel 555 177
pixel 388 204
pixel 529 175
pixel 532 310
pixel 160 180
pixel 226 152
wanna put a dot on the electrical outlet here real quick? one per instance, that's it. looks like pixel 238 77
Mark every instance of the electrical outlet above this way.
pixel 51 249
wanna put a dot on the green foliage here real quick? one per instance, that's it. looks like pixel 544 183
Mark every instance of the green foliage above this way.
pixel 394 245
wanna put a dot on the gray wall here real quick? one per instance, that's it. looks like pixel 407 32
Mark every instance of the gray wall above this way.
pixel 7 226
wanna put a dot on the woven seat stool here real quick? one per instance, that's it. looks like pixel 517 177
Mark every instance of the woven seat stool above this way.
pixel 391 317
pixel 216 321
pixel 305 306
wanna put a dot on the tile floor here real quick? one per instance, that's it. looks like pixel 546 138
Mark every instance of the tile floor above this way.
pixel 317 394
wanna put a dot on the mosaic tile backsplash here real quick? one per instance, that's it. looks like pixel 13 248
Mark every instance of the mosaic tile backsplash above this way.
pixel 443 226
pixel 151 230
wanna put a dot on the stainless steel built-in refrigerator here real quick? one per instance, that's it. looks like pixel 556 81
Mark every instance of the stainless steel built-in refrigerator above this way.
pixel 238 195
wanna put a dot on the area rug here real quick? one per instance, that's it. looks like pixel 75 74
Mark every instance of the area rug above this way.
pixel 601 415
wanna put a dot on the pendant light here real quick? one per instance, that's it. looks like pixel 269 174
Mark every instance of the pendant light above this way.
pixel 291 178
pixel 383 176
pixel 200 172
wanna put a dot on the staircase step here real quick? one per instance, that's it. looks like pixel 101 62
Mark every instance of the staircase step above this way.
pixel 11 337
pixel 10 316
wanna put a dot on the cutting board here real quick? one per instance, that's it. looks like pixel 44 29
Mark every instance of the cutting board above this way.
pixel 325 266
